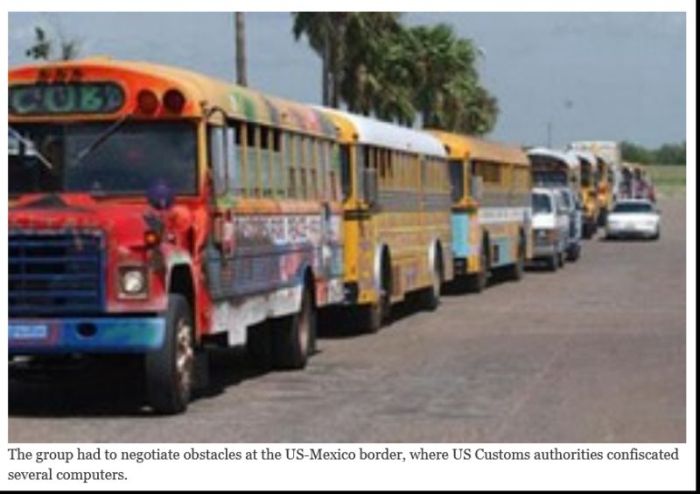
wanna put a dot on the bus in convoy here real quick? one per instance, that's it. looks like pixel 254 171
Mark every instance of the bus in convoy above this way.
pixel 153 209
pixel 155 212
pixel 609 156
pixel 491 208
pixel 588 164
pixel 396 210
pixel 551 168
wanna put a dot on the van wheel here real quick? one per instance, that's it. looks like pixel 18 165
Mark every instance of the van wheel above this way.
pixel 170 369
pixel 574 253
pixel 294 337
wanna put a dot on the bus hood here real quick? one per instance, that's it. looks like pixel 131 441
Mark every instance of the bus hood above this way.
pixel 123 222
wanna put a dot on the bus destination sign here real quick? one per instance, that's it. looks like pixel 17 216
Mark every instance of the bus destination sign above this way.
pixel 65 98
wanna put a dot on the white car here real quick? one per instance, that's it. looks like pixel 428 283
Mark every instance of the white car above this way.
pixel 633 218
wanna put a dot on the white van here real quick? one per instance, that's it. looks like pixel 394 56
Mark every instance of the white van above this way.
pixel 550 227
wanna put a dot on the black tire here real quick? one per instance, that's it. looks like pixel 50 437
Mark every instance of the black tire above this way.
pixel 553 262
pixel 574 253
pixel 602 217
pixel 294 337
pixel 560 259
pixel 170 369
pixel 259 345
pixel 431 297
pixel 515 272
pixel 372 317
pixel 478 282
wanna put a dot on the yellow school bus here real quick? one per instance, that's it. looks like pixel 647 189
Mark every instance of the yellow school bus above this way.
pixel 396 228
pixel 491 214
pixel 590 178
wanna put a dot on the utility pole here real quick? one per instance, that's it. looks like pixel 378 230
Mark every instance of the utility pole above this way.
pixel 241 74
pixel 549 134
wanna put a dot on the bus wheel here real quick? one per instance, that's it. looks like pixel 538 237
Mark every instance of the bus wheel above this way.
pixel 553 262
pixel 373 316
pixel 295 338
pixel 170 369
pixel 516 271
pixel 478 281
pixel 431 299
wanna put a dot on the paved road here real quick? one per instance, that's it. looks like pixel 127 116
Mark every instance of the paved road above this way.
pixel 593 353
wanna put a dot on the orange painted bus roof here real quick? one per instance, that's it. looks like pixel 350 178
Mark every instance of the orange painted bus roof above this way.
pixel 236 101
pixel 461 146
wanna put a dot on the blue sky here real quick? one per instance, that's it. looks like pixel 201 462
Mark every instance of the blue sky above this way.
pixel 609 76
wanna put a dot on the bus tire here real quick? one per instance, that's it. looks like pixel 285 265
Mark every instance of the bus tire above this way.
pixel 478 281
pixel 431 299
pixel 373 316
pixel 553 262
pixel 518 268
pixel 170 369
pixel 294 338
pixel 259 345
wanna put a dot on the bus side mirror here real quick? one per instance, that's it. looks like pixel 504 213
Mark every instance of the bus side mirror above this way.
pixel 371 186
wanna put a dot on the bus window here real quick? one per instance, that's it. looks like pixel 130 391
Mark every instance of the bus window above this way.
pixel 253 156
pixel 456 180
pixel 342 154
pixel 217 159
pixel 265 153
pixel 277 163
pixel 233 160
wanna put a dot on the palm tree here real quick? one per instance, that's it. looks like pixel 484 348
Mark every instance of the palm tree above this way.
pixel 325 32
pixel 241 63
pixel 368 44
pixel 43 46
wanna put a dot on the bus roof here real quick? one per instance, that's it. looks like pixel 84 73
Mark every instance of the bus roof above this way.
pixel 460 146
pixel 565 157
pixel 201 92
pixel 365 130
pixel 587 156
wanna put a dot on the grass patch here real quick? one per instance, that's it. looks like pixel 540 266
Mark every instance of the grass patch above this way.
pixel 668 179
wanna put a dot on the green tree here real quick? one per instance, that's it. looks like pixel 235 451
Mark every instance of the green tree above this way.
pixel 43 46
pixel 666 154
pixel 325 32
pixel 378 67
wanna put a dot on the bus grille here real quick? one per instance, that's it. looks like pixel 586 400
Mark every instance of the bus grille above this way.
pixel 55 274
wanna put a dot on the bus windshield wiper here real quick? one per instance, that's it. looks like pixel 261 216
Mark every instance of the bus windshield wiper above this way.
pixel 100 139
pixel 29 144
